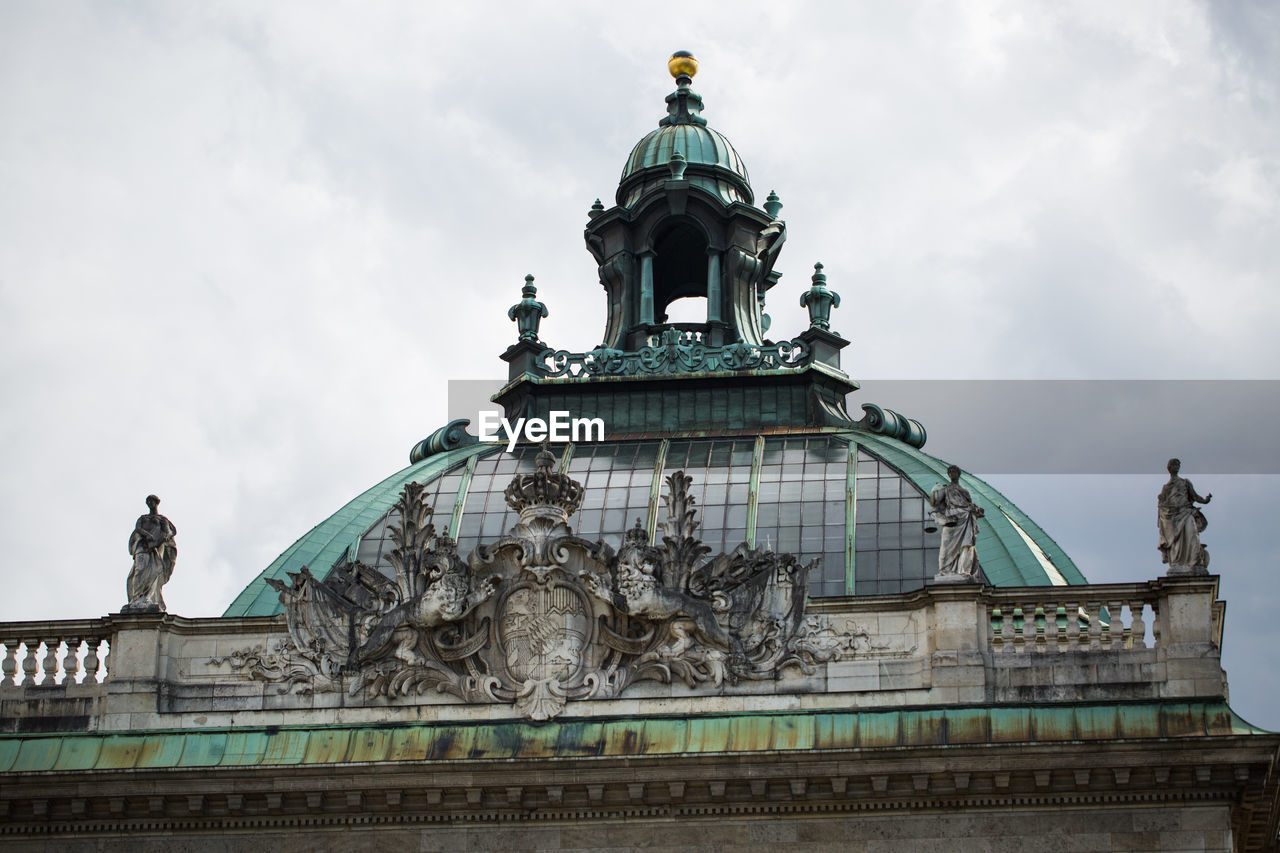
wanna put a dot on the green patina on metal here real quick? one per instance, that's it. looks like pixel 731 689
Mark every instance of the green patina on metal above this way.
pixel 655 489
pixel 753 489
pixel 325 543
pixel 460 501
pixel 851 519
pixel 746 733
pixel 678 354
pixel 566 456
pixel 1006 558
pixel 692 401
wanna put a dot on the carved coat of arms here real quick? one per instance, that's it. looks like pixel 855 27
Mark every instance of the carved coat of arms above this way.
pixel 542 617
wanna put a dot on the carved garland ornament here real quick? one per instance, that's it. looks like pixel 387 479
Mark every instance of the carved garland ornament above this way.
pixel 542 617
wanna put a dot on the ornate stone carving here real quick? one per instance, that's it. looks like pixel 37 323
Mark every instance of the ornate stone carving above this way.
pixel 154 555
pixel 826 639
pixel 1180 523
pixel 542 617
pixel 281 663
pixel 957 515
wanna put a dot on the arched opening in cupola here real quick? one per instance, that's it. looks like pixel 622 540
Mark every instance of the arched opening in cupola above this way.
pixel 679 268
pixel 685 310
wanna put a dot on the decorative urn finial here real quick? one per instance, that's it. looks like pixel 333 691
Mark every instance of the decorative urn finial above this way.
pixel 528 312
pixel 773 205
pixel 596 209
pixel 819 300
pixel 677 164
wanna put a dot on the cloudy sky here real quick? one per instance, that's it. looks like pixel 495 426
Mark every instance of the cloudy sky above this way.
pixel 244 246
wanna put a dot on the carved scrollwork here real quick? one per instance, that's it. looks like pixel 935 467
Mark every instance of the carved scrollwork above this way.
pixel 542 617
pixel 676 353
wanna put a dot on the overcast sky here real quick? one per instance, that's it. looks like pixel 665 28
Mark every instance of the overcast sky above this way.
pixel 244 246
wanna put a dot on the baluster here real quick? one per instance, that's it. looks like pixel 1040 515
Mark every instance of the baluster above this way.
pixel 1093 609
pixel 70 661
pixel 1118 634
pixel 1036 635
pixel 1155 626
pixel 91 661
pixel 1073 624
pixel 9 664
pixel 105 660
pixel 49 667
pixel 30 662
pixel 1019 629
pixel 997 629
pixel 1139 626
pixel 1051 627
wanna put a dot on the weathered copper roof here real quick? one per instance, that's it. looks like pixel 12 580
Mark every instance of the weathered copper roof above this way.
pixel 615 737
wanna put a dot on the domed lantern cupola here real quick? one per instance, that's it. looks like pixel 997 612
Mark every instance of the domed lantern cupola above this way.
pixel 685 226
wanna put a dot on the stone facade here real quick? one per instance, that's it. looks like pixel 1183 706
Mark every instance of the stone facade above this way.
pixel 956 712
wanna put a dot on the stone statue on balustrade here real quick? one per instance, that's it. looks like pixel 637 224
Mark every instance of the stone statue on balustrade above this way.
pixel 1180 523
pixel 154 554
pixel 956 515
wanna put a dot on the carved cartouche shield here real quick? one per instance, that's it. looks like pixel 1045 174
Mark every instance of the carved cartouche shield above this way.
pixel 543 629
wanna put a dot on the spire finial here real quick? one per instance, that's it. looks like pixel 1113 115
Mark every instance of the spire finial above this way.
pixel 684 104
pixel 528 312
pixel 819 300
pixel 773 205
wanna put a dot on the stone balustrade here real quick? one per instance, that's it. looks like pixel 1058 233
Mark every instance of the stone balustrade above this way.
pixel 1098 617
pixel 1059 619
pixel 942 646
pixel 49 654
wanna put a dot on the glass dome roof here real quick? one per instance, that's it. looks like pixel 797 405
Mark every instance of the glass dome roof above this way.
pixel 853 500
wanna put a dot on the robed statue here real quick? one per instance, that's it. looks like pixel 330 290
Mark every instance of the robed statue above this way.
pixel 955 513
pixel 1180 523
pixel 154 553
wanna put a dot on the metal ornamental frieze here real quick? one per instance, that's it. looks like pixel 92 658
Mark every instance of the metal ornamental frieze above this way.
pixel 677 352
pixel 542 617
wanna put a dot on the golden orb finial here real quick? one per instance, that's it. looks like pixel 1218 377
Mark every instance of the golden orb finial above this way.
pixel 682 64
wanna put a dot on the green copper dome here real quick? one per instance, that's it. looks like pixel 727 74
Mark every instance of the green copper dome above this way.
pixel 700 146
pixel 683 147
